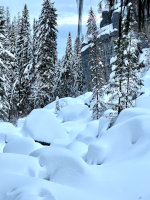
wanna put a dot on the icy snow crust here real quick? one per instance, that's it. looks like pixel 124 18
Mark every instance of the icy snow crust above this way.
pixel 85 160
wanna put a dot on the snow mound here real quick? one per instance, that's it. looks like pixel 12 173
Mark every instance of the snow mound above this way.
pixel 75 112
pixel 127 138
pixel 104 123
pixel 17 187
pixel 131 113
pixel 8 132
pixel 26 193
pixel 143 102
pixel 96 154
pixel 90 132
pixel 62 165
pixel 20 122
pixel 42 125
pixel 21 146
pixel 78 148
pixel 86 98
pixel 20 164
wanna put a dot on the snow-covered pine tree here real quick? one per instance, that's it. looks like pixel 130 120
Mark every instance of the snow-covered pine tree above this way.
pixel 4 101
pixel 133 82
pixel 96 67
pixel 91 26
pixel 7 28
pixel 60 70
pixel 6 59
pixel 97 102
pixel 77 69
pixel 124 79
pixel 35 86
pixel 24 63
pixel 2 24
pixel 67 78
pixel 34 43
pixel 38 95
pixel 47 53
pixel 12 37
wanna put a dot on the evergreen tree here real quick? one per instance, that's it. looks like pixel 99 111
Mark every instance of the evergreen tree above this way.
pixel 91 26
pixel 67 78
pixel 125 81
pixel 77 69
pixel 47 53
pixel 2 25
pixel 13 37
pixel 13 77
pixel 60 78
pixel 96 67
pixel 24 65
pixel 132 73
pixel 97 102
pixel 7 29
pixel 6 59
pixel 34 43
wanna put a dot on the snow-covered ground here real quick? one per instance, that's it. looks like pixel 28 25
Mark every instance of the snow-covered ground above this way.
pixel 84 160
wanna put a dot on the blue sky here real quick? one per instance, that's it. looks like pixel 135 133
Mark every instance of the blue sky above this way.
pixel 67 15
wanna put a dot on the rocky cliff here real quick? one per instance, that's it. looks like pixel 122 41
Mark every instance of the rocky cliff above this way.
pixel 107 34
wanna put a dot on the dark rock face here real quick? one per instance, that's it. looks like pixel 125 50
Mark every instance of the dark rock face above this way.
pixel 147 30
pixel 86 68
pixel 106 44
pixel 106 19
pixel 115 19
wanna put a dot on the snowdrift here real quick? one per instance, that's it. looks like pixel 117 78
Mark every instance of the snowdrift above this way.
pixel 42 125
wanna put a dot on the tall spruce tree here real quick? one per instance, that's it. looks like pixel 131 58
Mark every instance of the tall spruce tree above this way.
pixel 47 53
pixel 67 78
pixel 2 24
pixel 8 29
pixel 96 67
pixel 6 59
pixel 77 68
pixel 125 81
pixel 24 65
pixel 13 37
pixel 91 26
pixel 132 73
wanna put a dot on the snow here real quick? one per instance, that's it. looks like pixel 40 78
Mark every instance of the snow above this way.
pixel 62 165
pixel 144 57
pixel 8 132
pixel 42 125
pixel 19 165
pixel 107 30
pixel 86 46
pixel 143 102
pixel 104 123
pixel 21 146
pixel 90 132
pixel 74 112
pixel 65 102
pixel 78 148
